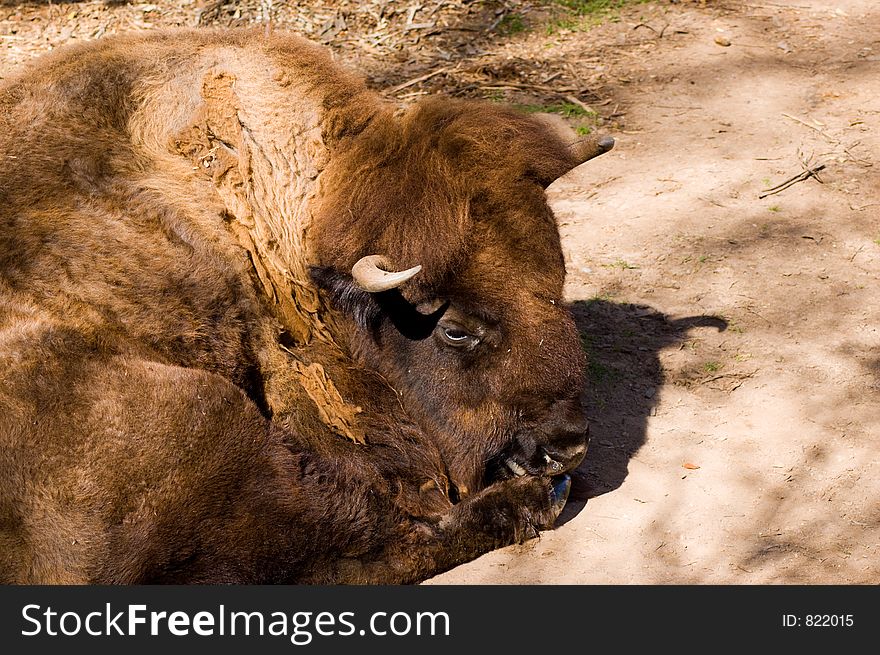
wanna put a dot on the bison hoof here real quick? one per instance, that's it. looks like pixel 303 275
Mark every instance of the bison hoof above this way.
pixel 560 486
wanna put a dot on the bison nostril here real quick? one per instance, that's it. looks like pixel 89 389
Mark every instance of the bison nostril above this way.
pixel 554 465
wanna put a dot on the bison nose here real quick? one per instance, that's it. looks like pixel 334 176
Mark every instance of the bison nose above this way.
pixel 559 461
pixel 567 446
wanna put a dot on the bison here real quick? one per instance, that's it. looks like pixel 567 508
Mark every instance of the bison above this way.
pixel 259 325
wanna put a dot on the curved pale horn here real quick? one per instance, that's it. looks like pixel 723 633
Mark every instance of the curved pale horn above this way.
pixel 370 275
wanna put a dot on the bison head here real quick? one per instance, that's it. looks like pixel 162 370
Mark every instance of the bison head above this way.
pixel 433 234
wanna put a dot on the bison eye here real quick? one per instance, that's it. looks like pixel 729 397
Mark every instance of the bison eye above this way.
pixel 454 335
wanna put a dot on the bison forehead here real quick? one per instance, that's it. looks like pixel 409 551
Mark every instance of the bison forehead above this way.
pixel 519 232
pixel 428 187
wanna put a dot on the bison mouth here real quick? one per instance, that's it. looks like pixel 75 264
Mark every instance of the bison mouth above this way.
pixel 524 456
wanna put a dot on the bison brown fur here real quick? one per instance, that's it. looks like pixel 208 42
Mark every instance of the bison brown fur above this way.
pixel 194 384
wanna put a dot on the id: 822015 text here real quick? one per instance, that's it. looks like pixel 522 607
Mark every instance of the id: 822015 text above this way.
pixel 818 621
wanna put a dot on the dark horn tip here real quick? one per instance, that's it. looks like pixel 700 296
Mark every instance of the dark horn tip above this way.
pixel 606 143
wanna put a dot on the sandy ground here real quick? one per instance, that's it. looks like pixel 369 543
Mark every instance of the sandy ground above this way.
pixel 734 387
pixel 728 332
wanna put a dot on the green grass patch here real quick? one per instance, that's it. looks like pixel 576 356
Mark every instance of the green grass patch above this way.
pixel 773 208
pixel 712 367
pixel 593 7
pixel 566 24
pixel 597 372
pixel 605 296
pixel 567 109
pixel 585 14
pixel 621 264
pixel 732 325
pixel 511 24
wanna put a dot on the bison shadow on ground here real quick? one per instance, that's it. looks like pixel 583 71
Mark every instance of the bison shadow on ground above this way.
pixel 623 344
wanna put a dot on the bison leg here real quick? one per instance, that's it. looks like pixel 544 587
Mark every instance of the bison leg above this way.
pixel 506 513
pixel 121 470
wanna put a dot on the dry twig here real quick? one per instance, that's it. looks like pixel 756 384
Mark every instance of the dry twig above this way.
pixel 416 80
pixel 800 177
pixel 529 87
pixel 812 127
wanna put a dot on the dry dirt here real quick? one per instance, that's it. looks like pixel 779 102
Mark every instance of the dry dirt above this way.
pixel 780 407
pixel 734 387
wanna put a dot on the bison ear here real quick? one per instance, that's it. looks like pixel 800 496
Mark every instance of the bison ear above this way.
pixel 346 296
pixel 580 148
